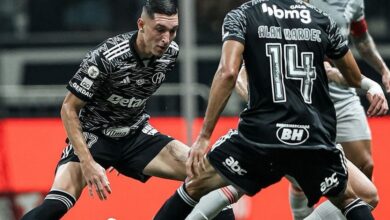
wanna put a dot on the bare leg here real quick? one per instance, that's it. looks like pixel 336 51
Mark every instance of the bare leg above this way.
pixel 359 153
pixel 170 164
pixel 66 189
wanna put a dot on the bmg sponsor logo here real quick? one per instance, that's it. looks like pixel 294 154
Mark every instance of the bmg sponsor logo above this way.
pixel 292 134
pixel 303 15
pixel 232 165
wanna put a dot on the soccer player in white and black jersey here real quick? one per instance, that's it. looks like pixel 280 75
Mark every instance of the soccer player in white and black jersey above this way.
pixel 289 125
pixel 105 119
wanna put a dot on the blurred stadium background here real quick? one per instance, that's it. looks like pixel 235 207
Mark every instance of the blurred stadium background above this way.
pixel 41 45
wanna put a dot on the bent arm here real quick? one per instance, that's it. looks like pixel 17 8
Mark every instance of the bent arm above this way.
pixel 69 115
pixel 222 85
pixel 349 69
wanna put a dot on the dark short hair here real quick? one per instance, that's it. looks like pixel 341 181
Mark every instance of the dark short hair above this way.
pixel 166 7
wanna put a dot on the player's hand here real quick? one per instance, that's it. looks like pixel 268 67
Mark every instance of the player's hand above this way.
pixel 378 103
pixel 386 80
pixel 95 176
pixel 195 160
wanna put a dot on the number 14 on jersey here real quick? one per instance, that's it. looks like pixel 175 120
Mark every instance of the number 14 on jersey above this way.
pixel 306 72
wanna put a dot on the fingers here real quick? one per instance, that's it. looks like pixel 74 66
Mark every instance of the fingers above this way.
pixel 189 162
pixel 202 164
pixel 373 103
pixel 385 108
pixel 99 189
pixel 195 165
pixel 90 188
pixel 106 184
pixel 101 185
pixel 378 105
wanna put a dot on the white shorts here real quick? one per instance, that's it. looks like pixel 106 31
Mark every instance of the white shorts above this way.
pixel 352 123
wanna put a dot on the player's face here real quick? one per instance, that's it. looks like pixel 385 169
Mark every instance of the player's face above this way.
pixel 159 33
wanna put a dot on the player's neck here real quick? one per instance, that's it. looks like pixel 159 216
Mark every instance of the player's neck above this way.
pixel 140 48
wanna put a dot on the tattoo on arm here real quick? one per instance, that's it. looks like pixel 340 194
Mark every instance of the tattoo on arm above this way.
pixel 369 52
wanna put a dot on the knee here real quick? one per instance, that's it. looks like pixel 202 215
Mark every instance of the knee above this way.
pixel 197 188
pixel 371 198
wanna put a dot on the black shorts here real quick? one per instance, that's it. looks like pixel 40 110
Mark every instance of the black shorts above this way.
pixel 128 155
pixel 318 171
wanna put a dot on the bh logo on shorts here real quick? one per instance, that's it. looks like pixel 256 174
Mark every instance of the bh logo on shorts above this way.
pixel 232 165
pixel 292 134
pixel 329 183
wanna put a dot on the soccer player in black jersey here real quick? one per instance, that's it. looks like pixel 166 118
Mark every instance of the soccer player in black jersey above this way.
pixel 289 125
pixel 105 119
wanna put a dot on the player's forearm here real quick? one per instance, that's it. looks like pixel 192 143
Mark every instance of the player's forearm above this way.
pixel 242 84
pixel 349 69
pixel 221 89
pixel 368 51
pixel 72 125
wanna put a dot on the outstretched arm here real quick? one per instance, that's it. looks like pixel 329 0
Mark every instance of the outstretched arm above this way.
pixel 369 52
pixel 221 89
pixel 93 173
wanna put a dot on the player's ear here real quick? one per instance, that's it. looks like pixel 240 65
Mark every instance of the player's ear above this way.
pixel 141 24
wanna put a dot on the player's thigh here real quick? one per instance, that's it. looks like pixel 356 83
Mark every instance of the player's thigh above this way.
pixel 352 124
pixel 169 162
pixel 208 180
pixel 358 152
pixel 362 186
pixel 69 178
pixel 344 198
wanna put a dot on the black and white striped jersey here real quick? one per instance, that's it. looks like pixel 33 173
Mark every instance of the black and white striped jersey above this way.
pixel 116 84
pixel 285 45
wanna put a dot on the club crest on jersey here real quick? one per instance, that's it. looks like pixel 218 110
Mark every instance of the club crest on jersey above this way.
pixel 291 134
pixel 93 72
pixel 158 78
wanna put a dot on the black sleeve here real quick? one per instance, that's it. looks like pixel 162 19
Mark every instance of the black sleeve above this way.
pixel 338 45
pixel 234 26
pixel 89 77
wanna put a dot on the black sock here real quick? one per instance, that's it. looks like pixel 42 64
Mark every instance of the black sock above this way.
pixel 177 207
pixel 226 214
pixel 55 205
pixel 358 210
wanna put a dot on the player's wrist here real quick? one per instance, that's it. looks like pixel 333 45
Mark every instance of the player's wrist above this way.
pixel 371 86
